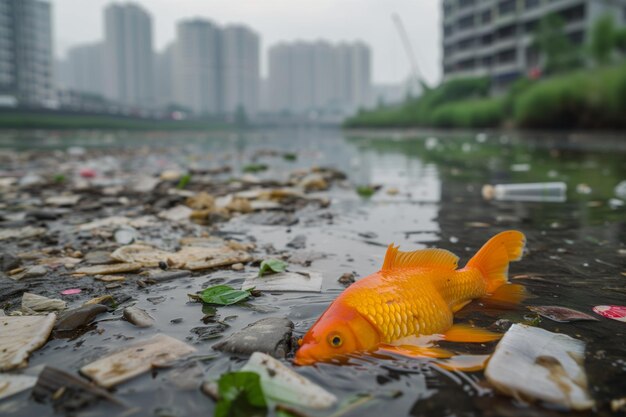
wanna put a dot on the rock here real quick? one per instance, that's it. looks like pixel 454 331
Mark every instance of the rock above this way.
pixel 393 191
pixel 98 257
pixel 301 281
pixel 201 201
pixel 145 184
pixel 213 331
pixel 111 278
pixel 33 303
pixel 156 300
pixel 189 257
pixel 28 333
pixel 105 300
pixel 237 267
pixel 31 272
pixel 27 232
pixel 8 261
pixel 313 182
pixel 118 221
pixel 68 392
pixel 121 366
pixel 282 385
pixel 78 317
pixel 110 269
pixel 138 317
pixel 11 384
pixel 170 175
pixel 347 278
pixel 271 218
pixel 270 335
pixel 176 214
pixel 125 235
pixel 298 242
pixel 535 364
pixel 63 200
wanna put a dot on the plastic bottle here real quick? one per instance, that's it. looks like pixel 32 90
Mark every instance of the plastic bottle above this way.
pixel 549 192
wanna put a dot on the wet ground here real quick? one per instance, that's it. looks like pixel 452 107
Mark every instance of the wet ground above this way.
pixel 428 195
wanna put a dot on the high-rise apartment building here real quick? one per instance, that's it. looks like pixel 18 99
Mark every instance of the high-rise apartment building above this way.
pixel 240 69
pixel 197 66
pixel 26 62
pixel 494 37
pixel 85 69
pixel 319 76
pixel 164 76
pixel 128 55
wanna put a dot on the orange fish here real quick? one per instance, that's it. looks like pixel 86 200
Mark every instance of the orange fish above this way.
pixel 414 293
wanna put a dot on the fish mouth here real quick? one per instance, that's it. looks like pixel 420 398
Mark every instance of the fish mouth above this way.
pixel 304 357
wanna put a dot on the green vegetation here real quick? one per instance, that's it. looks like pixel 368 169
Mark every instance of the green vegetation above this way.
pixel 581 88
pixel 27 120
pixel 272 266
pixel 224 295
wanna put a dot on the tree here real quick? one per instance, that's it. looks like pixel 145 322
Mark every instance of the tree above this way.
pixel 559 52
pixel 604 39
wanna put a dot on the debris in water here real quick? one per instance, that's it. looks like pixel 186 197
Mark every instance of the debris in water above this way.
pixel 188 257
pixel 71 291
pixel 270 335
pixel 547 192
pixel 271 266
pixel 110 269
pixel 347 278
pixel 11 384
pixel 21 233
pixel 282 385
pixel 304 281
pixel 135 360
pixel 221 295
pixel 612 312
pixel 535 364
pixel 75 318
pixel 28 333
pixel 33 303
pixel 138 317
pixel 176 214
pixel 561 314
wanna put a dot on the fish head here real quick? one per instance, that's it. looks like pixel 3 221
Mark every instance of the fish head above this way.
pixel 339 332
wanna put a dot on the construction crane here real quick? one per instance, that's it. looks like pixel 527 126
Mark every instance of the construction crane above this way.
pixel 416 74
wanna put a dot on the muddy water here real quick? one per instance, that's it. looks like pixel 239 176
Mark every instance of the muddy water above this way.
pixel 575 256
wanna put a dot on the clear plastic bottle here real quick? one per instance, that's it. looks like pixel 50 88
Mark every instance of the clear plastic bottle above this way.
pixel 548 192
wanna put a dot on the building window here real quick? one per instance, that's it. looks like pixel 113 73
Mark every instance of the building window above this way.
pixel 486 16
pixel 466 22
pixel 506 32
pixel 506 57
pixel 486 61
pixel 466 3
pixel 506 7
pixel 531 4
pixel 577 38
pixel 574 14
pixel 466 43
pixel 531 27
pixel 447 30
pixel 486 39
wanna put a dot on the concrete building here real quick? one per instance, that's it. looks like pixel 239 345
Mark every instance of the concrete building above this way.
pixel 85 69
pixel 164 76
pixel 198 66
pixel 319 77
pixel 240 70
pixel 494 37
pixel 26 60
pixel 129 56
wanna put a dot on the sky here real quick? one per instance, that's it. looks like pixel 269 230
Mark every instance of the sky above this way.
pixel 80 21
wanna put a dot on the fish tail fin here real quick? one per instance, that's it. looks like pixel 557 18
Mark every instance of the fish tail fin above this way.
pixel 492 260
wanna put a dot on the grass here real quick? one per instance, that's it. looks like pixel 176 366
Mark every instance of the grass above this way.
pixel 26 120
pixel 586 99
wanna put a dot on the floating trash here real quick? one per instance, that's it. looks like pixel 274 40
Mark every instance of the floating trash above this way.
pixel 546 192
pixel 561 314
pixel 71 291
pixel 304 281
pixel 11 384
pixel 612 312
pixel 28 333
pixel 33 303
pixel 537 365
pixel 135 360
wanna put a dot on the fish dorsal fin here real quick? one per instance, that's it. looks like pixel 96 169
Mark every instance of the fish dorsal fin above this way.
pixel 424 258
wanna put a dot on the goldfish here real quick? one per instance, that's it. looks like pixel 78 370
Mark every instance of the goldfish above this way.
pixel 414 294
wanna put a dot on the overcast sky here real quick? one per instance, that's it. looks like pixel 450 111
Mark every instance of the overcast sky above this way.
pixel 79 21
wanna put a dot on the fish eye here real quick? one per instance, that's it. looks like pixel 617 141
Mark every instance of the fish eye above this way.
pixel 335 340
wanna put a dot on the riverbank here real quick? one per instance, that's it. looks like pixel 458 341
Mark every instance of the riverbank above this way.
pixel 586 99
pixel 54 120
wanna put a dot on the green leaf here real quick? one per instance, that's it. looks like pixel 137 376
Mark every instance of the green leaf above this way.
pixel 271 266
pixel 255 168
pixel 365 191
pixel 223 295
pixel 59 178
pixel 240 394
pixel 290 156
pixel 184 180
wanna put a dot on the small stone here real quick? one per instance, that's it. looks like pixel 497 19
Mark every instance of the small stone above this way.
pixel 78 317
pixel 111 278
pixel 213 331
pixel 237 267
pixel 393 191
pixel 8 261
pixel 270 335
pixel 298 242
pixel 112 286
pixel 125 235
pixel 37 303
pixel 138 317
pixel 347 278
pixel 176 320
pixel 156 300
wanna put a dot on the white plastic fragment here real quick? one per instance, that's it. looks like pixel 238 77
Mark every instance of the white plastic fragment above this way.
pixel 135 360
pixel 304 281
pixel 534 364
pixel 33 303
pixel 27 334
pixel 282 385
pixel 11 384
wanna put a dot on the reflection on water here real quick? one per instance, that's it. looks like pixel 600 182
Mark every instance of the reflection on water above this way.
pixel 574 257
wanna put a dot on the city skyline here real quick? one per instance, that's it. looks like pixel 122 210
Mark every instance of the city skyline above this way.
pixel 278 21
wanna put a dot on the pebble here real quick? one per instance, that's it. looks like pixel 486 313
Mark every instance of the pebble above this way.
pixel 347 278
pixel 78 317
pixel 138 317
pixel 237 267
pixel 298 242
pixel 270 335
pixel 9 261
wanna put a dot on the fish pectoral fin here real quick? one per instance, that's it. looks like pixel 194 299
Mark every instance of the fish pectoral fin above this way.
pixel 464 363
pixel 460 305
pixel 467 334
pixel 417 351
pixel 424 258
pixel 507 296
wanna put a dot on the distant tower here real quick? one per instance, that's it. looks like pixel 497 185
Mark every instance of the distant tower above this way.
pixel 26 63
pixel 128 55
pixel 240 72
pixel 85 69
